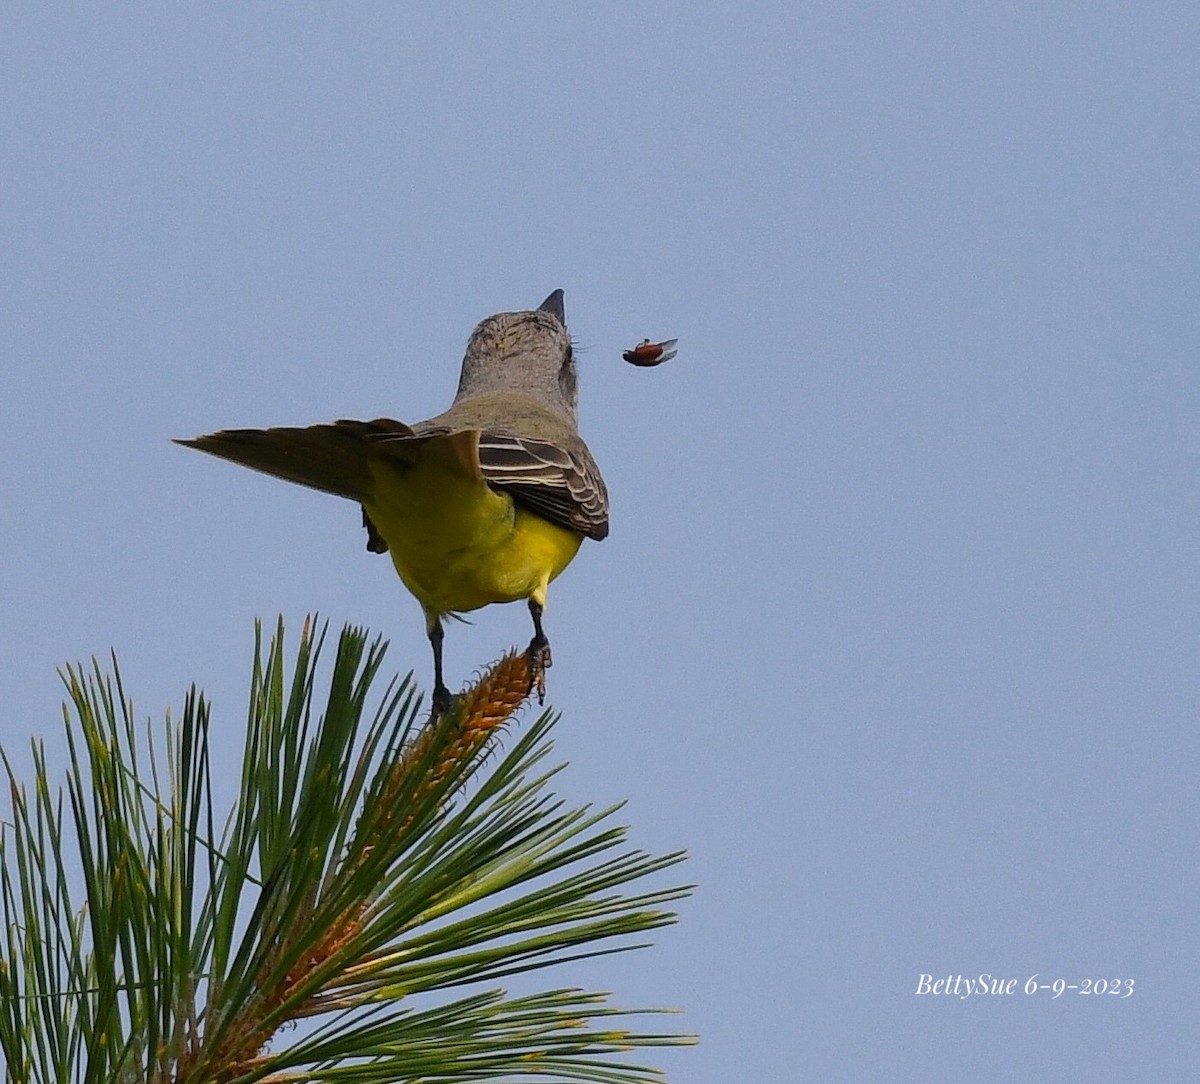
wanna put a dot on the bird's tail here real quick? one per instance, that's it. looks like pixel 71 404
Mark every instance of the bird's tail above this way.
pixel 333 458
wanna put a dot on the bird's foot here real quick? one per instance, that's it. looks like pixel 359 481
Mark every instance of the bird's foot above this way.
pixel 539 663
pixel 440 702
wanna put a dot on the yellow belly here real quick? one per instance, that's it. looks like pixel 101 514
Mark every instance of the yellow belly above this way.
pixel 458 544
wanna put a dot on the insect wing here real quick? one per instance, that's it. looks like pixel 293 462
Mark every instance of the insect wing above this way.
pixel 668 351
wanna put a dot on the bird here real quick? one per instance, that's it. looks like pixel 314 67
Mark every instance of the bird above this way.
pixel 647 354
pixel 484 503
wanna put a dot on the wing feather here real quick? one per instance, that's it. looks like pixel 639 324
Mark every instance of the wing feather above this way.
pixel 562 486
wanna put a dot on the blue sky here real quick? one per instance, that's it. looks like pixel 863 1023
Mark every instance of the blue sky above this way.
pixel 896 630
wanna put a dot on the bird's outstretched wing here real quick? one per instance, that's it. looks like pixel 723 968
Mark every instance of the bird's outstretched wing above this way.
pixel 332 458
pixel 561 486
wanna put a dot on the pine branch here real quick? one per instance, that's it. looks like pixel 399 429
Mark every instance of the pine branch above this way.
pixel 367 864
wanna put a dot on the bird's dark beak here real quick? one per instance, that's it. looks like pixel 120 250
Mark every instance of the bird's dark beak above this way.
pixel 554 306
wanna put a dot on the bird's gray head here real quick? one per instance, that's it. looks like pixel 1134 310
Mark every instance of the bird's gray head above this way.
pixel 524 351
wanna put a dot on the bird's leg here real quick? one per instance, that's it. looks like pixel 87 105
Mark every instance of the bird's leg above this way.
pixel 539 653
pixel 441 695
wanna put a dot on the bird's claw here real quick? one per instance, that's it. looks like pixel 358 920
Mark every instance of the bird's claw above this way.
pixel 539 662
pixel 440 702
